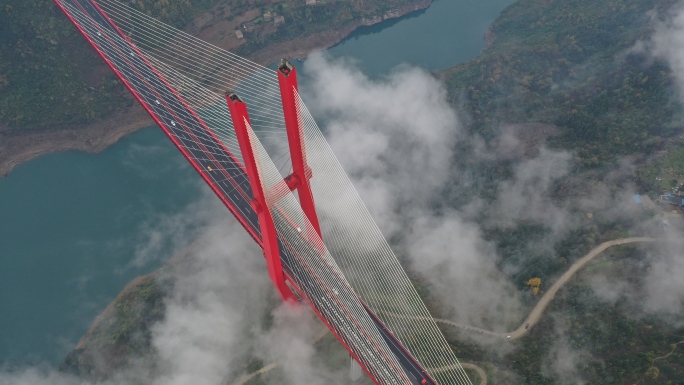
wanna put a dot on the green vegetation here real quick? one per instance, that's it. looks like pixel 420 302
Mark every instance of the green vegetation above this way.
pixel 175 12
pixel 617 346
pixel 664 171
pixel 567 64
pixel 49 76
pixel 571 64
pixel 302 21
pixel 122 332
pixel 611 344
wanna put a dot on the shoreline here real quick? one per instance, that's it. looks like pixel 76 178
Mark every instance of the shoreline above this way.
pixel 17 147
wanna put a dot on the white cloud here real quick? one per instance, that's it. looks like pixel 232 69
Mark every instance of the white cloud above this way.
pixel 664 281
pixel 668 42
pixel 527 195
pixel 564 360
pixel 396 138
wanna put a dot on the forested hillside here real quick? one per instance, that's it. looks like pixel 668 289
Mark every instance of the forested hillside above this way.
pixel 568 63
pixel 574 68
pixel 50 77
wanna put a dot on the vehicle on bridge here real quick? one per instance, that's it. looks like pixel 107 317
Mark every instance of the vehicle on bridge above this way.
pixel 218 138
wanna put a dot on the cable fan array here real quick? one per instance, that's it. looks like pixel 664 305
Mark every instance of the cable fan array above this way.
pixel 214 70
pixel 321 281
pixel 356 261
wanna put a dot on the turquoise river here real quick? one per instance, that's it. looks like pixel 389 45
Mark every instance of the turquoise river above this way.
pixel 76 227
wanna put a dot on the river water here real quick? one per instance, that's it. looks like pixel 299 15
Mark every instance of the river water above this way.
pixel 72 224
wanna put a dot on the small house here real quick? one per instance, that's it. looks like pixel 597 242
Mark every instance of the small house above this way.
pixel 672 199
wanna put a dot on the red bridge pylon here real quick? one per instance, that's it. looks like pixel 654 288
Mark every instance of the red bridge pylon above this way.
pixel 269 240
pixel 301 173
pixel 299 179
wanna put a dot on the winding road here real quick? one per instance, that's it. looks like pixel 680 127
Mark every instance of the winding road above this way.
pixel 531 320
pixel 543 303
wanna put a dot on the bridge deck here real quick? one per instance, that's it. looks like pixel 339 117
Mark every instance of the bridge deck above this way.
pixel 335 303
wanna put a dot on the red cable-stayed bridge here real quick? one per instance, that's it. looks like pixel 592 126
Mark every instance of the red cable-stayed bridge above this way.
pixel 341 265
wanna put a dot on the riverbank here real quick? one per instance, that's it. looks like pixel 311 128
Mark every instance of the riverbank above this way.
pixel 17 147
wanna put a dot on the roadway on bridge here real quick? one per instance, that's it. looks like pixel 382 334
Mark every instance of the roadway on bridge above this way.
pixel 185 129
pixel 336 302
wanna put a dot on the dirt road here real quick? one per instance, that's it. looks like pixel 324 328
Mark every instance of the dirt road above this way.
pixel 531 319
pixel 543 303
pixel 479 370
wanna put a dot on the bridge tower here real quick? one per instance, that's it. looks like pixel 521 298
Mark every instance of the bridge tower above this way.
pixel 240 116
pixel 301 172
pixel 299 179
